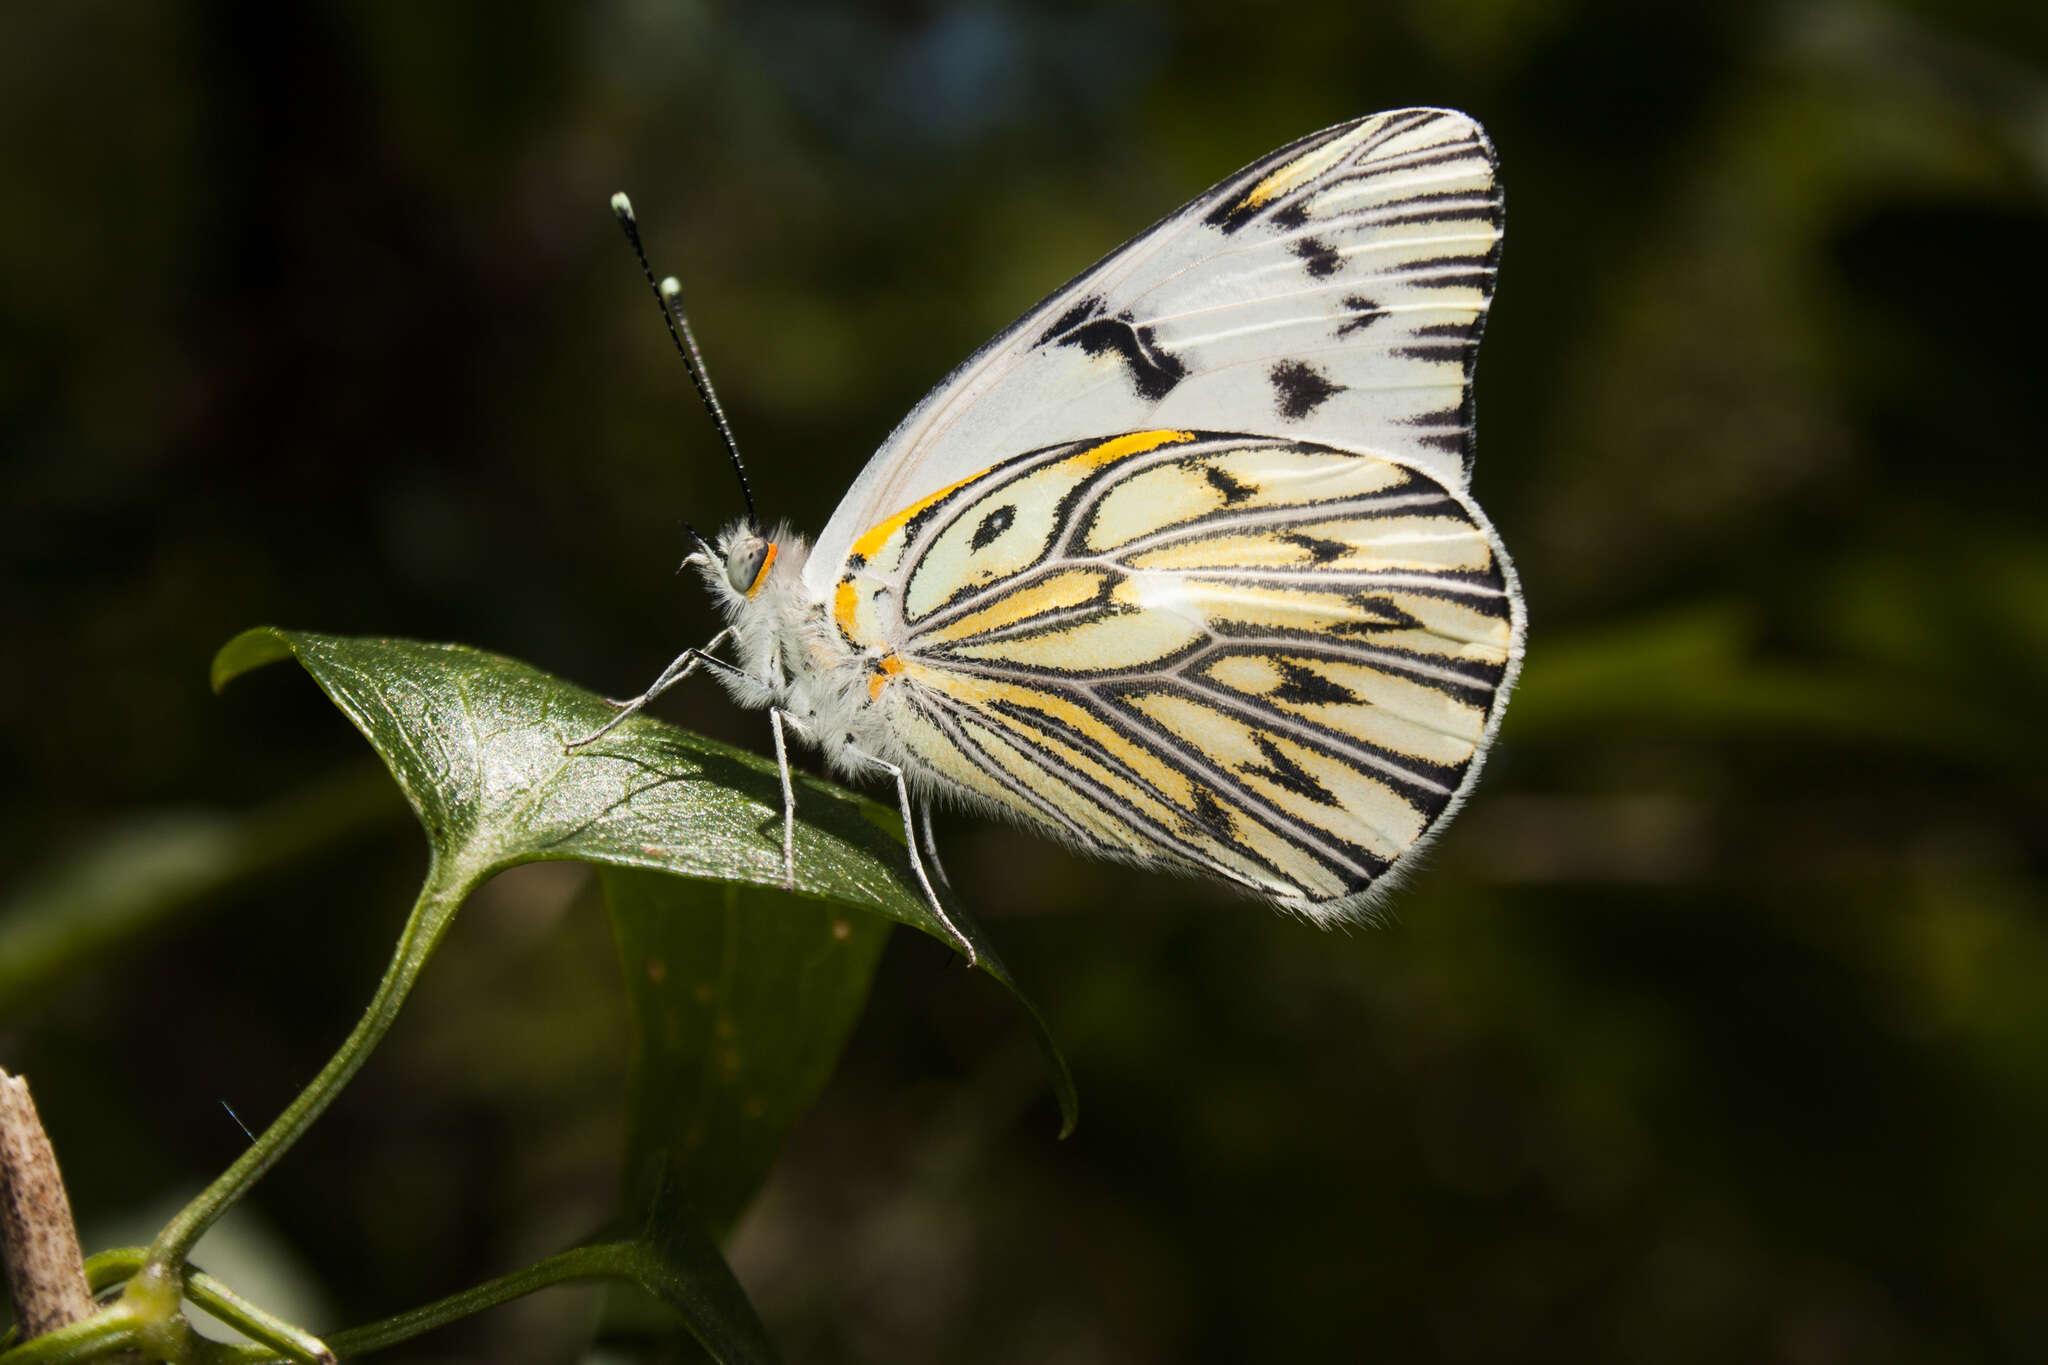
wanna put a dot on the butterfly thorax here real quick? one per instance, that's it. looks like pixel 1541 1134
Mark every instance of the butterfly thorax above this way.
pixel 787 652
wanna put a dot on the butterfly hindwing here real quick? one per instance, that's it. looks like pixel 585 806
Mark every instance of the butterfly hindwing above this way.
pixel 1331 293
pixel 1264 659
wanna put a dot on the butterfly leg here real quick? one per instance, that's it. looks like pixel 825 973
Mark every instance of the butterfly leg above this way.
pixel 910 845
pixel 681 667
pixel 931 845
pixel 788 800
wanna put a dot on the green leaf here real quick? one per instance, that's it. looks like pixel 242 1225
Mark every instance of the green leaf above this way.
pixel 675 1261
pixel 477 743
pixel 742 1001
pixel 480 745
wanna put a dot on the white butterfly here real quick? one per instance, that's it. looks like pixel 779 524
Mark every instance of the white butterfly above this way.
pixel 1181 568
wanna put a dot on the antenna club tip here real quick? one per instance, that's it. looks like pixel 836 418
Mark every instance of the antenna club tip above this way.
pixel 670 286
pixel 622 207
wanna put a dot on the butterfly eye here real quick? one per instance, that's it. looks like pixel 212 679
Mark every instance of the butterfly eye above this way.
pixel 747 564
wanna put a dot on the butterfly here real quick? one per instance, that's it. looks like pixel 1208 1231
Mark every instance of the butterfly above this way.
pixel 1182 568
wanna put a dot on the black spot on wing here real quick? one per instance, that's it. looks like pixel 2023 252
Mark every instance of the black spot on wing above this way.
pixel 1320 551
pixel 1299 388
pixel 1307 687
pixel 992 526
pixel 1220 480
pixel 1385 614
pixel 1231 214
pixel 1449 272
pixel 1443 341
pixel 1362 313
pixel 1441 351
pixel 1236 207
pixel 1466 149
pixel 1090 307
pixel 1455 419
pixel 1319 258
pixel 1284 773
pixel 1441 206
pixel 1154 371
pixel 1293 215
pixel 1211 815
pixel 1472 681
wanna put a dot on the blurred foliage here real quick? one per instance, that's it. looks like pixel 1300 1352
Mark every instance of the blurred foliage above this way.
pixel 1714 1029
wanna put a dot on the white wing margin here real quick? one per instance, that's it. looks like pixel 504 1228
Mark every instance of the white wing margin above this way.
pixel 1332 292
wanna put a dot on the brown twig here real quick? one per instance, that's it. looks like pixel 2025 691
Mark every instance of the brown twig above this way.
pixel 45 1271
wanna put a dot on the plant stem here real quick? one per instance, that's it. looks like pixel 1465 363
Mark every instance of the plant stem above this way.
pixel 604 1261
pixel 105 1269
pixel 45 1271
pixel 97 1336
pixel 443 893
pixel 291 1342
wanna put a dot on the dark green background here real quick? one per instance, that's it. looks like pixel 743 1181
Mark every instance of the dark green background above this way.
pixel 1715 1028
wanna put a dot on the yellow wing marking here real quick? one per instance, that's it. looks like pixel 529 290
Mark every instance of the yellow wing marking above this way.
pixel 1022 767
pixel 1128 771
pixel 1379 708
pixel 1354 807
pixel 1021 521
pixel 1168 495
pixel 1167 780
pixel 845 597
pixel 1108 642
pixel 878 535
pixel 1363 544
pixel 1067 588
pixel 1070 811
pixel 936 747
pixel 1305 167
pixel 1443 627
pixel 845 603
pixel 1122 447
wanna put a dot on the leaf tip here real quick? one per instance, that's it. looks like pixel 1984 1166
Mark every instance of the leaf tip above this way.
pixel 253 648
pixel 1069 1101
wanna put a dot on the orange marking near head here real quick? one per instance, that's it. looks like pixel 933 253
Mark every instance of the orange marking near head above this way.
pixel 761 574
pixel 886 667
pixel 1131 443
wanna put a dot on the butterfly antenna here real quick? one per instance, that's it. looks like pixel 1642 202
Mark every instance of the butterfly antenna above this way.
pixel 669 293
pixel 703 552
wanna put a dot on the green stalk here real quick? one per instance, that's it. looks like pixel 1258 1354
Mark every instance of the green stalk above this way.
pixel 105 1269
pixel 293 1343
pixel 439 898
pixel 605 1261
pixel 92 1338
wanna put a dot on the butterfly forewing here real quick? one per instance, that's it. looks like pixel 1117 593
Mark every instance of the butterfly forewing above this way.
pixel 1256 657
pixel 1332 293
